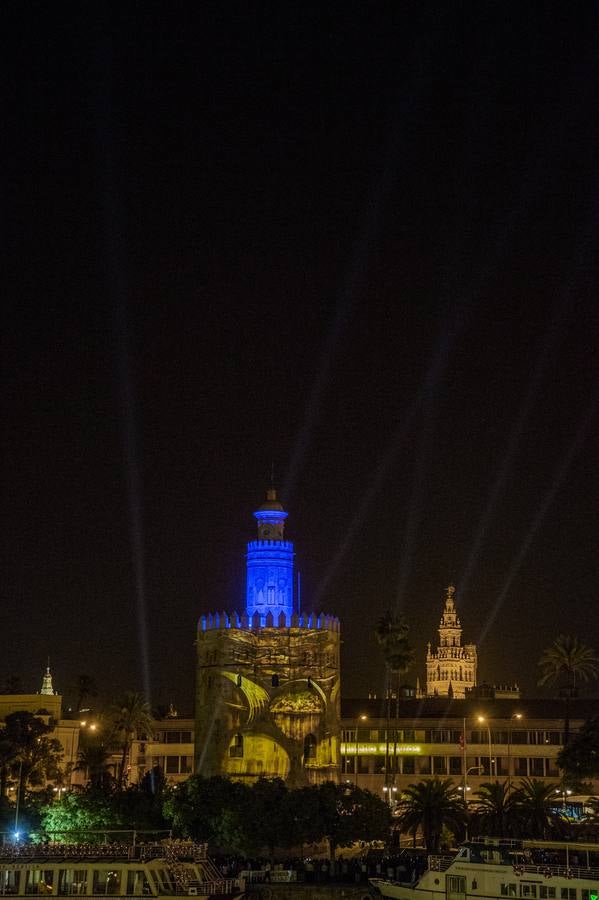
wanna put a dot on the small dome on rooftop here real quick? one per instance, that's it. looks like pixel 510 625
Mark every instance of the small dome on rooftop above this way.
pixel 271 501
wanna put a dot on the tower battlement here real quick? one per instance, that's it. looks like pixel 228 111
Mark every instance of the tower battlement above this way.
pixel 258 621
pixel 284 546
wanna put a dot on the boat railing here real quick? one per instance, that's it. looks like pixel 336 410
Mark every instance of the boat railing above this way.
pixel 549 870
pixel 201 888
pixel 439 863
pixel 176 850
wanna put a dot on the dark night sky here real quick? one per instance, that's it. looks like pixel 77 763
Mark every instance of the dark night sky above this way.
pixel 361 246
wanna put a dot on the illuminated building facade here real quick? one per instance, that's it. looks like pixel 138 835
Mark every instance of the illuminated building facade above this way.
pixel 470 741
pixel 451 669
pixel 268 683
pixel 47 705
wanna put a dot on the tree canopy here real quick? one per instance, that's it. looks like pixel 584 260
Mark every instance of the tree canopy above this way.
pixel 570 658
pixel 580 758
pixel 430 806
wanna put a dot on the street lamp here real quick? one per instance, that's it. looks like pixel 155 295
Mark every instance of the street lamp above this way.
pixel 509 750
pixel 564 792
pixel 483 720
pixel 18 800
pixel 363 718
pixel 390 794
pixel 466 774
pixel 465 789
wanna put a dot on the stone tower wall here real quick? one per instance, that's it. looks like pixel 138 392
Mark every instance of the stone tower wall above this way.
pixel 268 697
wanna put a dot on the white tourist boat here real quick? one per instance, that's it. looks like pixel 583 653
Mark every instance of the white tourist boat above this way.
pixel 167 869
pixel 496 869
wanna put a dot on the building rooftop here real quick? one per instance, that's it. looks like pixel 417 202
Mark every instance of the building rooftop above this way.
pixel 446 707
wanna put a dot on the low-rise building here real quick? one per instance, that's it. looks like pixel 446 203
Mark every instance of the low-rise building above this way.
pixel 170 748
pixel 471 740
pixel 47 705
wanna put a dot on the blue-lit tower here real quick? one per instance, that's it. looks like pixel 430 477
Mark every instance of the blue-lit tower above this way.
pixel 269 586
pixel 268 677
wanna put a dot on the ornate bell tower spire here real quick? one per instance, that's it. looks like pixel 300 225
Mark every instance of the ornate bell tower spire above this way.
pixel 269 585
pixel 450 629
pixel 47 682
pixel 451 669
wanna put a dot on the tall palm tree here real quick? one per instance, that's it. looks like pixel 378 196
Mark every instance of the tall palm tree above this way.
pixel 391 633
pixel 429 806
pixel 494 810
pixel 568 657
pixel 86 687
pixel 532 808
pixel 129 716
pixel 93 761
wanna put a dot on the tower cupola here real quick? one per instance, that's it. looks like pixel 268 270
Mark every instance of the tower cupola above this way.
pixel 47 683
pixel 271 518
pixel 269 561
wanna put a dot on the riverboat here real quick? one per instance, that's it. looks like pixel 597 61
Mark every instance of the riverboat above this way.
pixel 167 870
pixel 496 869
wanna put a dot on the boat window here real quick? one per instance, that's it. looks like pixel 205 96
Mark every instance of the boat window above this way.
pixel 547 893
pixel 9 881
pixel 137 883
pixel 593 894
pixel 456 884
pixel 39 881
pixel 528 890
pixel 107 881
pixel 165 877
pixel 568 893
pixel 72 881
pixel 509 890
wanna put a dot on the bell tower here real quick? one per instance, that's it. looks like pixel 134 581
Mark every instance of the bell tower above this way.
pixel 451 669
pixel 269 564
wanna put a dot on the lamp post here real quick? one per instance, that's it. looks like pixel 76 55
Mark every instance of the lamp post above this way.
pixel 483 720
pixel 564 792
pixel 465 789
pixel 466 774
pixel 363 718
pixel 18 800
pixel 390 795
pixel 509 751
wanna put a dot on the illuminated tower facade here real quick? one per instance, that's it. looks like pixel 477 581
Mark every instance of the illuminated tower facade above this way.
pixel 47 683
pixel 451 670
pixel 269 581
pixel 268 684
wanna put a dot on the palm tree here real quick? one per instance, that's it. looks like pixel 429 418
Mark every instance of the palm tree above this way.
pixel 429 806
pixel 129 716
pixel 532 803
pixel 391 633
pixel 86 687
pixel 93 761
pixel 568 657
pixel 494 810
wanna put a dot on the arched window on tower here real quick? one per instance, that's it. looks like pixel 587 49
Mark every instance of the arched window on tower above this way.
pixel 309 748
pixel 236 747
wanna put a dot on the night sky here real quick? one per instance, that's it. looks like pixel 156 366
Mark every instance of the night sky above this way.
pixel 358 243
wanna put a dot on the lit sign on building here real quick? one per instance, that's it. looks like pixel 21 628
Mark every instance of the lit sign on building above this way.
pixel 371 749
